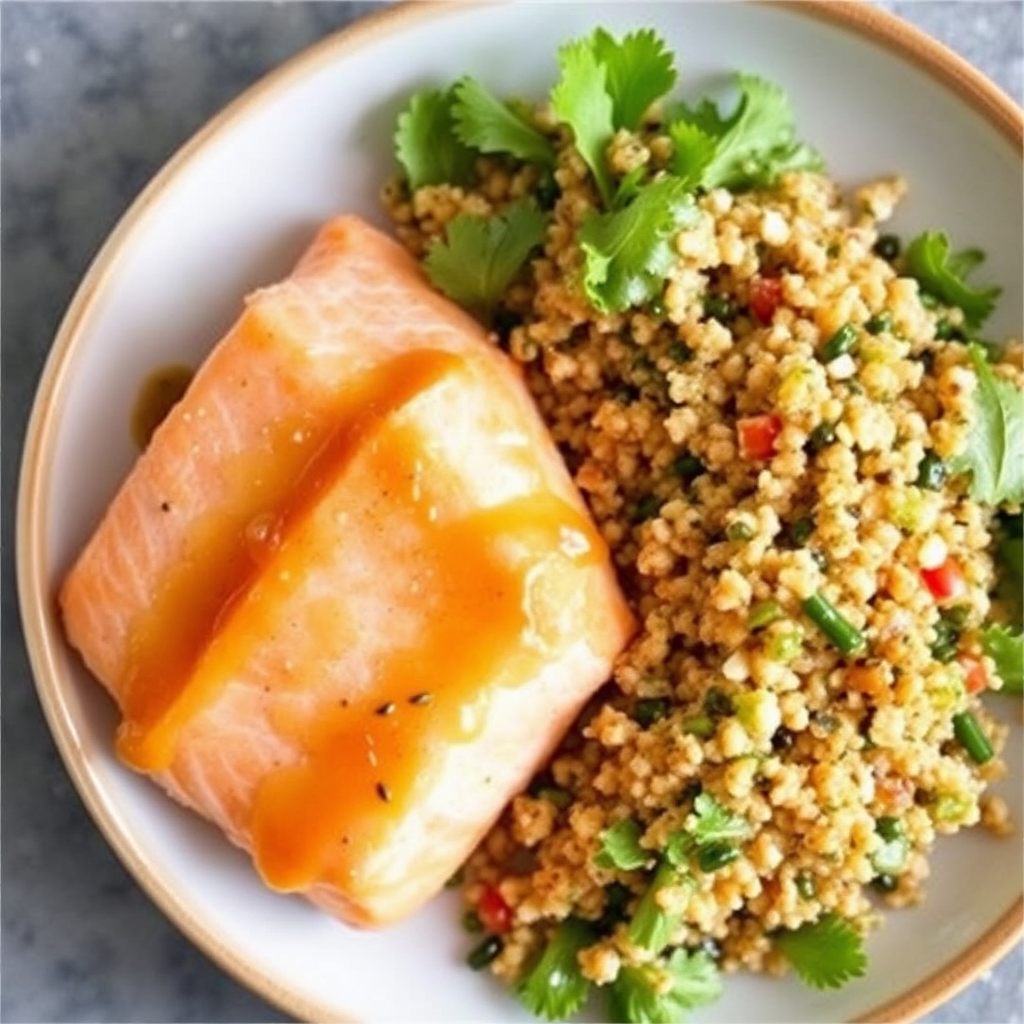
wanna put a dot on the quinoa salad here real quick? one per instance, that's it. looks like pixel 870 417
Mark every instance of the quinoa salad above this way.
pixel 807 465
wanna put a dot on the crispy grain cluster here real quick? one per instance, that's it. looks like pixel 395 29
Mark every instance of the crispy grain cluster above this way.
pixel 729 689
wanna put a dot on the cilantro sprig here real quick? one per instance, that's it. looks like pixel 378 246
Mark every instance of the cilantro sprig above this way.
pixel 994 455
pixel 555 988
pixel 426 144
pixel 479 257
pixel 749 148
pixel 664 991
pixel 826 953
pixel 620 847
pixel 482 121
pixel 944 275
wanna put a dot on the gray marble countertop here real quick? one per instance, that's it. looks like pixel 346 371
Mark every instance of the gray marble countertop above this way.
pixel 95 97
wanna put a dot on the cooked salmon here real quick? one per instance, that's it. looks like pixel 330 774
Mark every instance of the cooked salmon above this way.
pixel 348 599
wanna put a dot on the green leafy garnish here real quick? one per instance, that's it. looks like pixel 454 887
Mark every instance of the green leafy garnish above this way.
pixel 581 100
pixel 994 455
pixel 652 927
pixel 628 252
pixel 1010 562
pixel 1006 648
pixel 942 274
pixel 825 954
pixel 480 256
pixel 554 988
pixel 620 847
pixel 664 991
pixel 483 121
pixel 426 145
pixel 717 824
pixel 750 148
pixel 640 70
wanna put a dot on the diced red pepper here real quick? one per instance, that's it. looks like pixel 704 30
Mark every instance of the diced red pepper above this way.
pixel 946 582
pixel 765 296
pixel 494 912
pixel 758 435
pixel 975 676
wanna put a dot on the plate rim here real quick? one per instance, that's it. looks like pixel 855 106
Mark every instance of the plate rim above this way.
pixel 872 24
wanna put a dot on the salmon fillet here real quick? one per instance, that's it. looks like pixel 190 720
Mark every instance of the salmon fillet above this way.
pixel 348 599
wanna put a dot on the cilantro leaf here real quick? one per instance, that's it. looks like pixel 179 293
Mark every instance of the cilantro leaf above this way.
pixel 652 927
pixel 480 256
pixel 1006 649
pixel 825 954
pixel 620 847
pixel 662 992
pixel 486 123
pixel 752 147
pixel 426 145
pixel 941 273
pixel 554 988
pixel 628 252
pixel 640 70
pixel 581 100
pixel 694 150
pixel 716 824
pixel 994 455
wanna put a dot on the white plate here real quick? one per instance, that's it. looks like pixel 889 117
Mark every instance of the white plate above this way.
pixel 234 208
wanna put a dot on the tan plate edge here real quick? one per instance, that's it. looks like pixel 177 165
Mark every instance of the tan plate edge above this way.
pixel 36 606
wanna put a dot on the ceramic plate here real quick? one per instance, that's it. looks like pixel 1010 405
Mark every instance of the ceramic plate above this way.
pixel 234 208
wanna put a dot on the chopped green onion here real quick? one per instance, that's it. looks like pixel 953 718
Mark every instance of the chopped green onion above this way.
pixel 739 530
pixel 968 731
pixel 822 436
pixel 764 613
pixel 701 726
pixel 646 508
pixel 800 532
pixel 931 472
pixel 485 953
pixel 843 634
pixel 716 855
pixel 891 857
pixel 718 307
pixel 840 343
pixel 881 323
pixel 888 247
pixel 785 647
pixel 650 710
pixel 687 467
pixel 890 828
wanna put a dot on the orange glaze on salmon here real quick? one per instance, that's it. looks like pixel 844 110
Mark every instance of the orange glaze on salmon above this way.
pixel 348 599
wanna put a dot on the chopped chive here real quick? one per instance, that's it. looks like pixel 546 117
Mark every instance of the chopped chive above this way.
pixel 739 530
pixel 646 508
pixel 843 634
pixel 485 953
pixel 687 467
pixel 931 472
pixel 972 737
pixel 716 855
pixel 881 323
pixel 823 435
pixel 800 532
pixel 890 828
pixel 718 307
pixel 701 726
pixel 650 710
pixel 840 343
pixel 764 613
pixel 805 885
pixel 887 246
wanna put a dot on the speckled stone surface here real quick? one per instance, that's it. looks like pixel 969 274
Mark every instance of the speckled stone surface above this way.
pixel 95 97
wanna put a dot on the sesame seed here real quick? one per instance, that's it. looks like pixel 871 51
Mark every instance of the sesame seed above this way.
pixel 383 792
pixel 388 708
